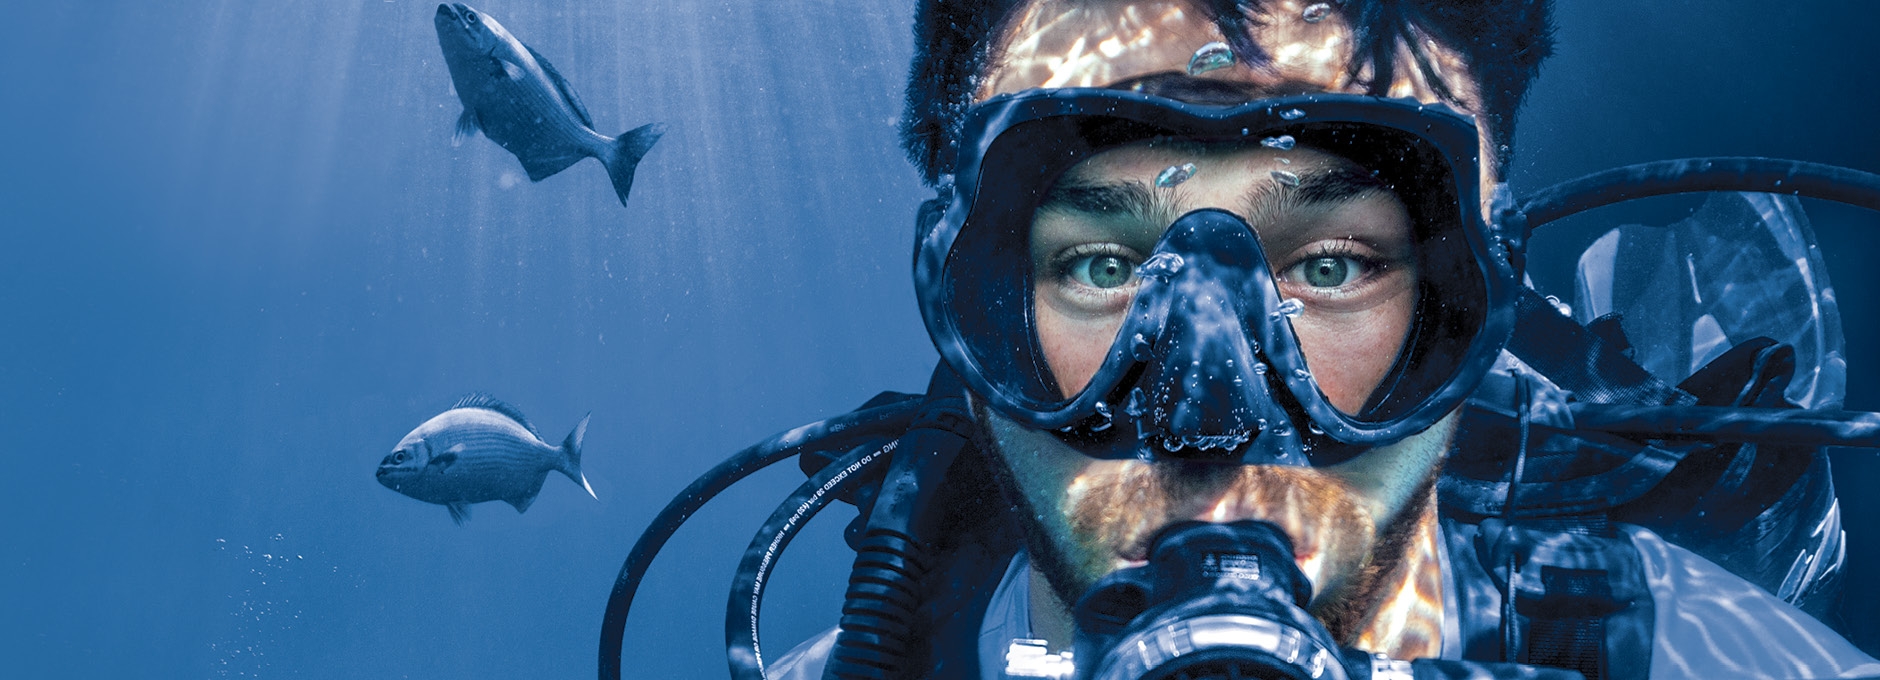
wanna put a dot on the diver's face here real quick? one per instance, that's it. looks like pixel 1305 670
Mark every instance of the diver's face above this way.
pixel 1349 260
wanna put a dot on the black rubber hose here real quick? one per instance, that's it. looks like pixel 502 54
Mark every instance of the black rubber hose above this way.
pixel 742 611
pixel 893 556
pixel 843 431
pixel 1659 178
pixel 1733 424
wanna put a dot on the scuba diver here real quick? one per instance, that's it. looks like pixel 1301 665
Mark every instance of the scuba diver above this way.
pixel 1242 376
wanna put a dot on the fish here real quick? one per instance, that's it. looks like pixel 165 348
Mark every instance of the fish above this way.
pixel 516 98
pixel 482 449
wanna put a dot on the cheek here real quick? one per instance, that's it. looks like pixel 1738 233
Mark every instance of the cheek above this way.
pixel 1074 346
pixel 1349 353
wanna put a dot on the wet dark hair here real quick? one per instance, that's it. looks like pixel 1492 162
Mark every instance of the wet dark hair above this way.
pixel 1504 42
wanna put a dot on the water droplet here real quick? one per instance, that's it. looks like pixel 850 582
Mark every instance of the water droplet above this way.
pixel 1282 142
pixel 1301 373
pixel 1259 369
pixel 1174 174
pixel 1562 307
pixel 1286 177
pixel 1289 308
pixel 1285 161
pixel 1212 56
pixel 1160 266
pixel 1103 413
pixel 1292 114
pixel 1140 348
pixel 1283 431
pixel 1133 407
pixel 1314 428
pixel 1316 12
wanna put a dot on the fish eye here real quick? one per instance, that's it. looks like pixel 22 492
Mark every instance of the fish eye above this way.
pixel 470 17
pixel 398 457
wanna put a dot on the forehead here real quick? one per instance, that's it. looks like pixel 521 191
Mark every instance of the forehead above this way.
pixel 1097 43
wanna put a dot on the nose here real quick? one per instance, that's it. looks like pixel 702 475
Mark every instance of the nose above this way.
pixel 1205 394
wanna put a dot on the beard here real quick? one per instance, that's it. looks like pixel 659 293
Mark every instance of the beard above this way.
pixel 1111 512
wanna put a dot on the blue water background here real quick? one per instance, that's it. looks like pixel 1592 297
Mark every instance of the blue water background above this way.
pixel 241 259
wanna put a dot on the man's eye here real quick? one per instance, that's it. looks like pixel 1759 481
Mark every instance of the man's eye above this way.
pixel 1102 270
pixel 1329 271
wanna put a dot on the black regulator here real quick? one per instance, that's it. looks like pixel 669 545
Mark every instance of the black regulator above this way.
pixel 1222 601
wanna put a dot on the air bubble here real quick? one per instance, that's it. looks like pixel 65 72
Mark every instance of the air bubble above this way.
pixel 1259 368
pixel 1161 266
pixel 1301 373
pixel 1289 308
pixel 1316 12
pixel 1314 428
pixel 1174 174
pixel 1211 57
pixel 1286 177
pixel 1292 114
pixel 1282 142
pixel 1140 348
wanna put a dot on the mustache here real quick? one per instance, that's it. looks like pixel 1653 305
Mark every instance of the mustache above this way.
pixel 1123 506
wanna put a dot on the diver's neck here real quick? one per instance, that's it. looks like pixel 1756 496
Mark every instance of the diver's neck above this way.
pixel 1407 624
pixel 1408 620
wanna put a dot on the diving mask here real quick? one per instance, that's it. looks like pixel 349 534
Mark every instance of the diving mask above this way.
pixel 1151 278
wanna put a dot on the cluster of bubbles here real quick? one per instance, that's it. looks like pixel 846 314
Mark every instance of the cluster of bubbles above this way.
pixel 258 617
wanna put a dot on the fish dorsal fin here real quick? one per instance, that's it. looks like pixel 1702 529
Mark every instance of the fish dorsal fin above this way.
pixel 561 85
pixel 489 403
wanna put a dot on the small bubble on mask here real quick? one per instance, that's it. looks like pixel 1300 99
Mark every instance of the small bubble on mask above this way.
pixel 1292 114
pixel 1316 12
pixel 1174 174
pixel 1289 308
pixel 1211 57
pixel 1161 266
pixel 1282 142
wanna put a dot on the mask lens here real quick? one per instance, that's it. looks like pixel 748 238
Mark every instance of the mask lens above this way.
pixel 1374 284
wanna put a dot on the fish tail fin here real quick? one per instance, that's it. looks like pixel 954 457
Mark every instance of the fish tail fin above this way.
pixel 571 455
pixel 459 512
pixel 626 153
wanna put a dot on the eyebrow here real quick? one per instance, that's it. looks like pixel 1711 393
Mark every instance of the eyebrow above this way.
pixel 1127 197
pixel 1318 187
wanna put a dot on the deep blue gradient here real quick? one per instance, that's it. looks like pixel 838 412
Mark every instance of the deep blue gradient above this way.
pixel 241 259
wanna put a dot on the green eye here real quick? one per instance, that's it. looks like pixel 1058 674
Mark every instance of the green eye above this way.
pixel 1326 272
pixel 1105 271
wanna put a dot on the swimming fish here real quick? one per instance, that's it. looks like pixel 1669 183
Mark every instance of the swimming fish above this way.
pixel 516 98
pixel 480 450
